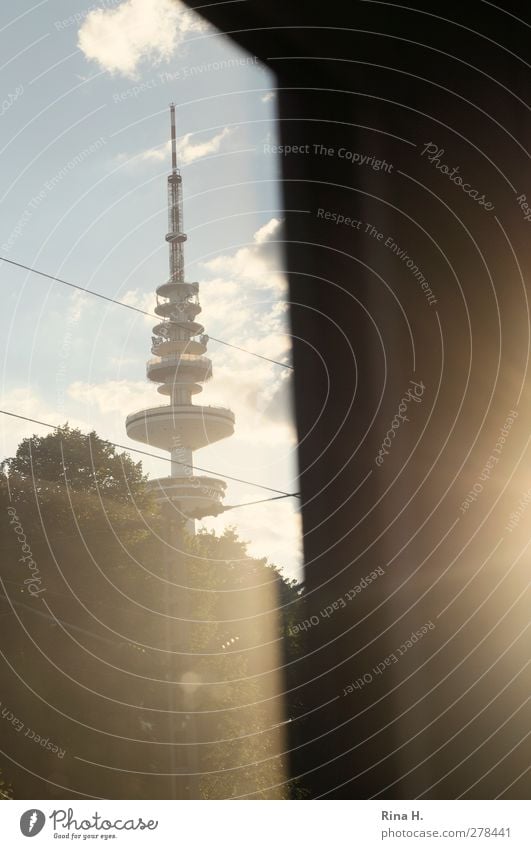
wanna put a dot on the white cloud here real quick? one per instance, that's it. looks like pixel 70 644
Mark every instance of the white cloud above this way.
pixel 249 391
pixel 25 402
pixel 120 39
pixel 77 306
pixel 244 305
pixel 142 301
pixel 254 263
pixel 270 95
pixel 225 312
pixel 263 234
pixel 187 151
pixel 106 405
pixel 115 396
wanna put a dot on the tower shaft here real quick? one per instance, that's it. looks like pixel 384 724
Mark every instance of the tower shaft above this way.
pixel 180 367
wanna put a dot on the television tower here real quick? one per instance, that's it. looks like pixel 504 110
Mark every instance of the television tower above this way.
pixel 180 367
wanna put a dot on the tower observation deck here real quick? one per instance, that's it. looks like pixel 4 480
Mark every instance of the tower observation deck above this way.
pixel 180 367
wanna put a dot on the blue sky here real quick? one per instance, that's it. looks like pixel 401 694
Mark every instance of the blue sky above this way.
pixel 84 159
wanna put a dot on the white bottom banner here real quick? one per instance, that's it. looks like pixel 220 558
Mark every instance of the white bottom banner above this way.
pixel 240 824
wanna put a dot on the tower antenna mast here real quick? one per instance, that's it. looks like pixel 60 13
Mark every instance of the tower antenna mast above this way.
pixel 175 236
pixel 173 141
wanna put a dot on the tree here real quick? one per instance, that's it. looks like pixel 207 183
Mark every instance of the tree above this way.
pixel 82 462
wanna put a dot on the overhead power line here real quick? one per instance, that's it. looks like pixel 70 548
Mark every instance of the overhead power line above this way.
pixel 133 308
pixel 261 501
pixel 224 508
pixel 280 492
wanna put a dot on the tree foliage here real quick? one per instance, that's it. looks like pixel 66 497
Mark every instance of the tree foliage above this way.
pixel 80 462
